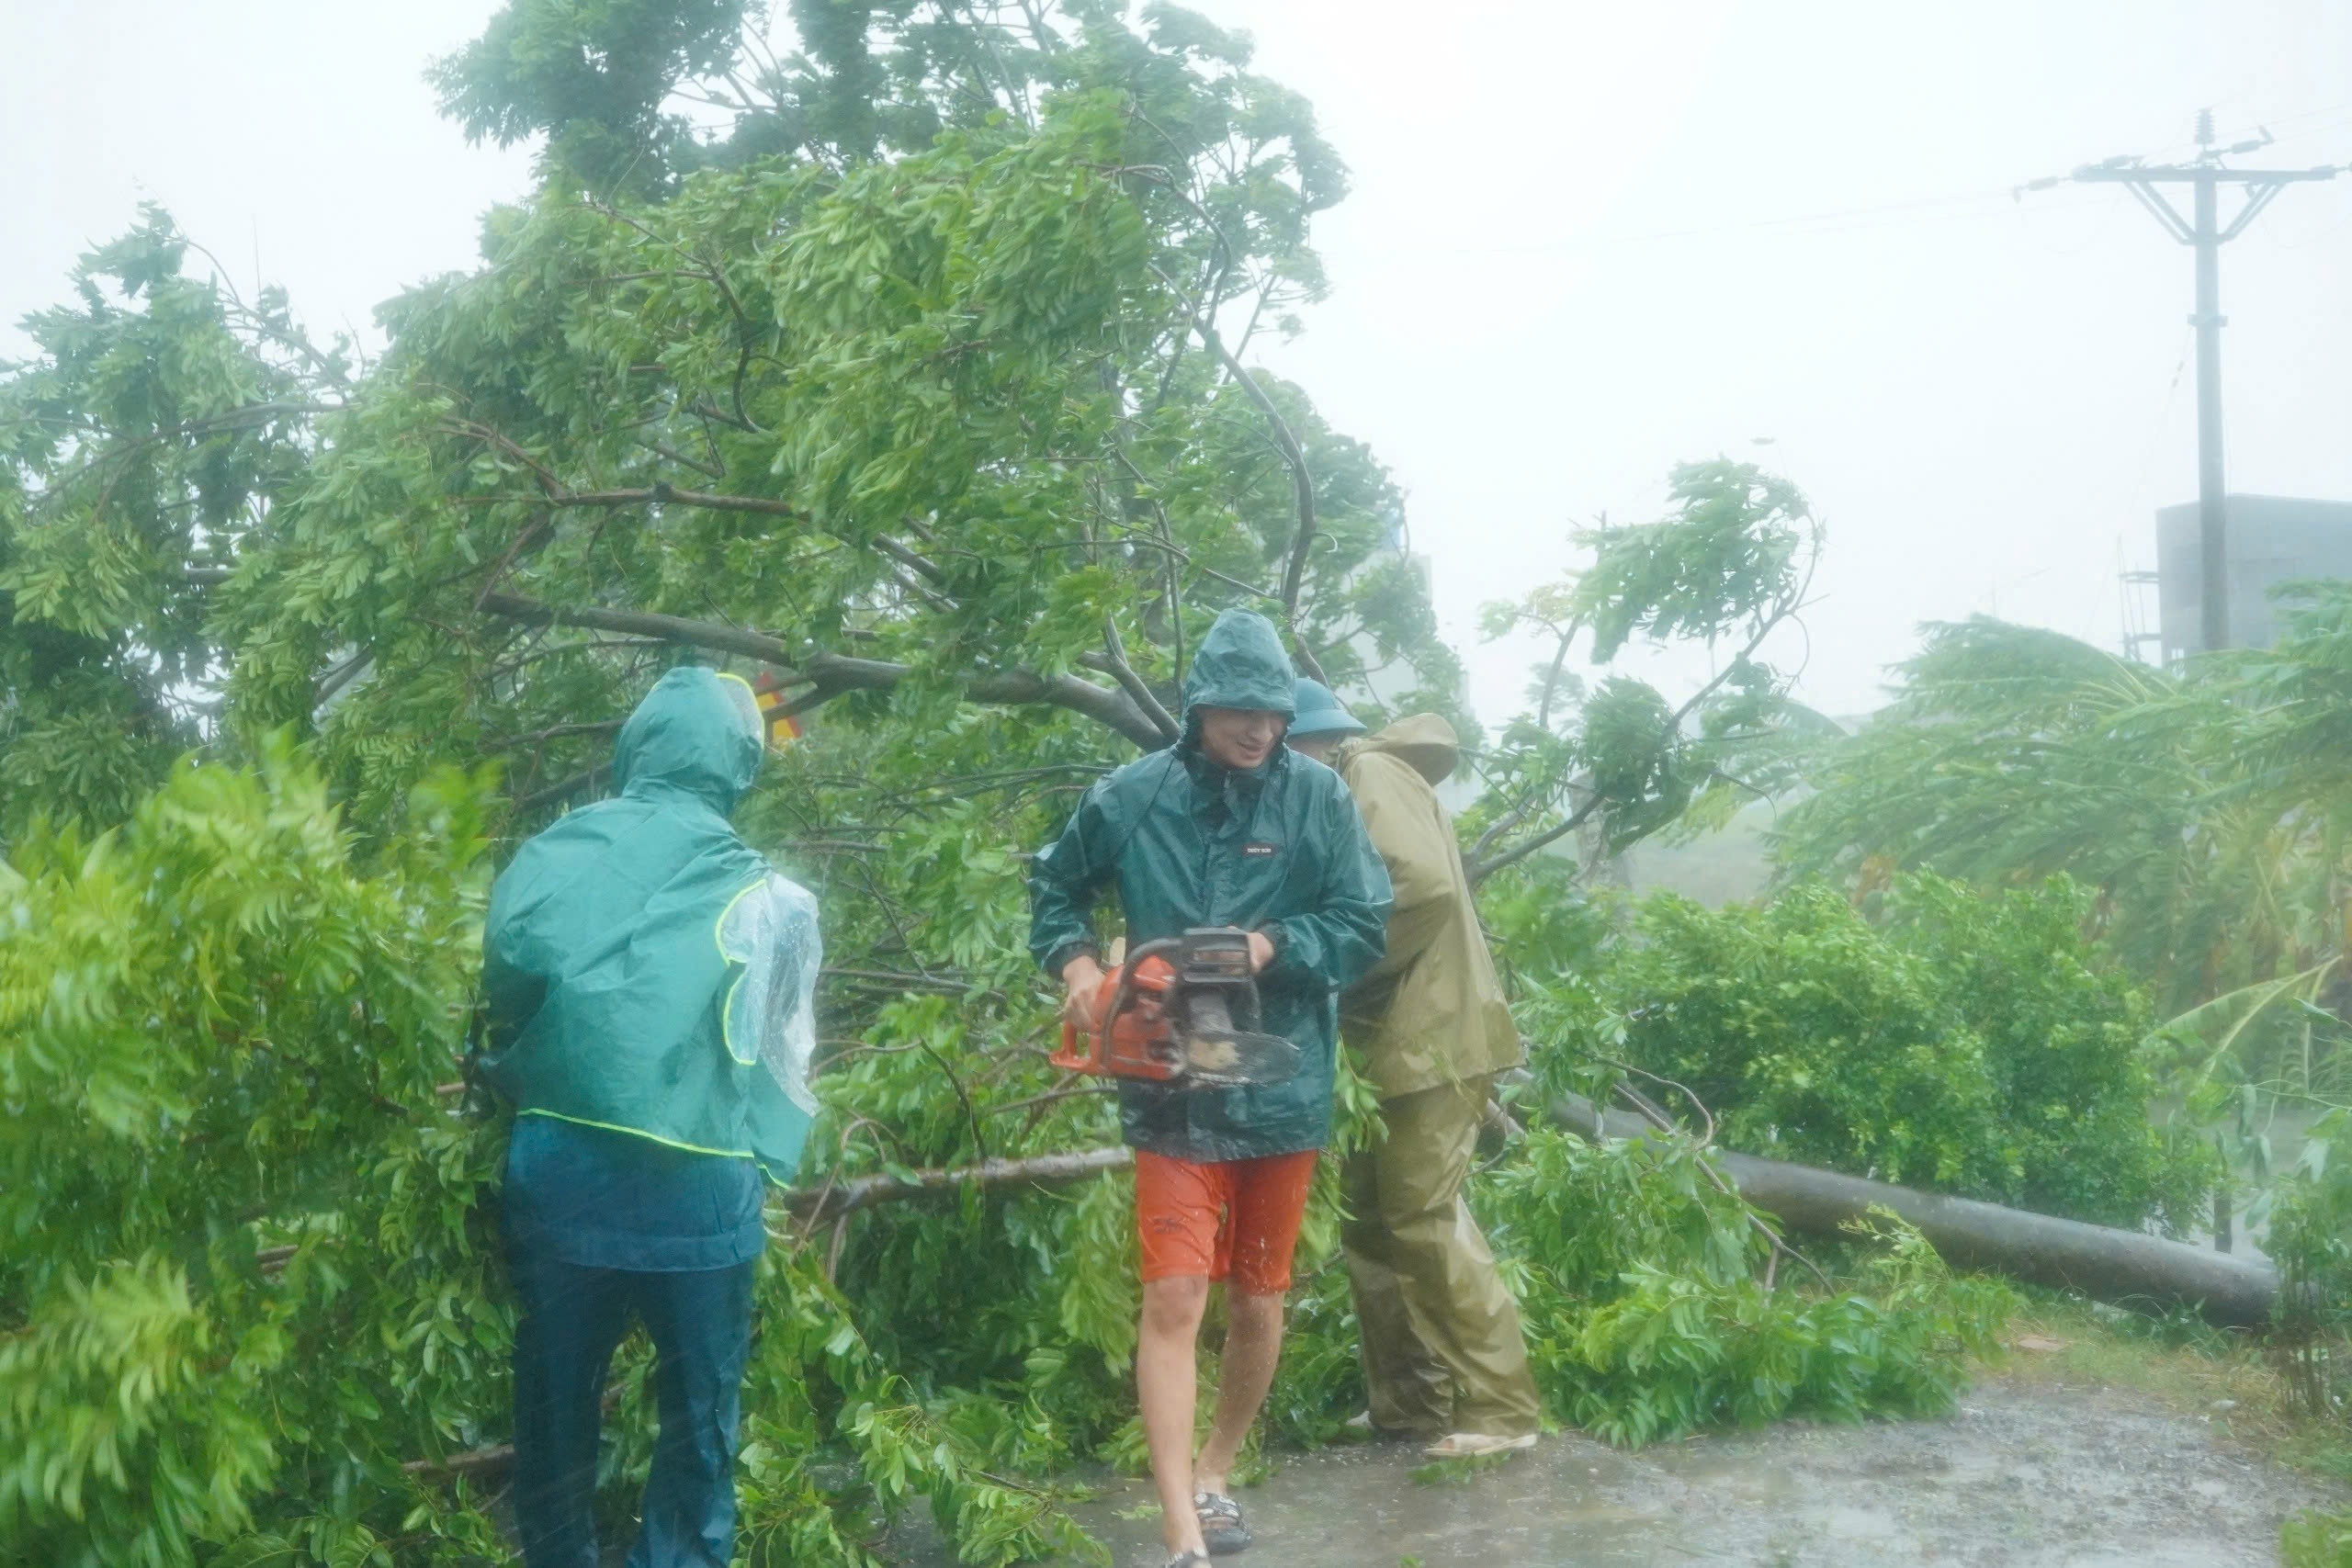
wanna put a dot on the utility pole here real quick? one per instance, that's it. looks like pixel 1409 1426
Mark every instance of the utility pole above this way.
pixel 2204 231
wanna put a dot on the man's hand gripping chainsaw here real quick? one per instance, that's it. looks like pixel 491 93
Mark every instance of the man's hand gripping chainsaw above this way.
pixel 1181 1012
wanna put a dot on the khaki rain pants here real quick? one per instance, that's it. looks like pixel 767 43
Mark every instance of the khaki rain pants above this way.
pixel 1440 1337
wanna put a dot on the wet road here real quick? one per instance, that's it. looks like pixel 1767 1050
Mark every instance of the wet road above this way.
pixel 2021 1477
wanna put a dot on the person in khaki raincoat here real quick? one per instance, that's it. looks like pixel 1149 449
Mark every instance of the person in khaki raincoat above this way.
pixel 1442 1354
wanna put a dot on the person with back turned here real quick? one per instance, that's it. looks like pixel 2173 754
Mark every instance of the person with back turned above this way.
pixel 1443 1357
pixel 648 984
pixel 1225 829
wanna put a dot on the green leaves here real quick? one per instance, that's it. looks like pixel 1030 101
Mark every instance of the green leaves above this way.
pixel 1640 1283
pixel 1970 1044
pixel 2205 804
pixel 219 1041
pixel 1730 561
pixel 1733 549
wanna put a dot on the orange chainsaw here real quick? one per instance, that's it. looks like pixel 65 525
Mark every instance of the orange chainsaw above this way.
pixel 1184 1011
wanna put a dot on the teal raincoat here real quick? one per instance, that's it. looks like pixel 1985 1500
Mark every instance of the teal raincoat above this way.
pixel 646 972
pixel 1185 842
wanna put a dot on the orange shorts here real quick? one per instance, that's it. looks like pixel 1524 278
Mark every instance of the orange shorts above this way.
pixel 1235 1218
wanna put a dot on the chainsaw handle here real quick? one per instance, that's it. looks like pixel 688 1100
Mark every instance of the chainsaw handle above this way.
pixel 1120 981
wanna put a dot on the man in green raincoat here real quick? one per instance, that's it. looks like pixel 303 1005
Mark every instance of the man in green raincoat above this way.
pixel 1443 1357
pixel 1226 827
pixel 649 982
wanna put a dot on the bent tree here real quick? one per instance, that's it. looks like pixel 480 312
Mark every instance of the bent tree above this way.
pixel 908 372
pixel 2204 803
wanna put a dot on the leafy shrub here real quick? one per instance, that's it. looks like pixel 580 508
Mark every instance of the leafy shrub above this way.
pixel 2310 1239
pixel 1968 1043
pixel 2313 1540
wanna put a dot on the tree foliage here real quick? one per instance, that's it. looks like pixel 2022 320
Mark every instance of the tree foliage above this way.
pixel 1964 1043
pixel 1650 1313
pixel 1731 562
pixel 905 371
pixel 239 1254
pixel 2205 805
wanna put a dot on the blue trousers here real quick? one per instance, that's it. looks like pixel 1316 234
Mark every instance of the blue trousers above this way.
pixel 573 1320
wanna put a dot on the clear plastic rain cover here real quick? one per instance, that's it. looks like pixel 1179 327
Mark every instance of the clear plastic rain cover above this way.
pixel 771 930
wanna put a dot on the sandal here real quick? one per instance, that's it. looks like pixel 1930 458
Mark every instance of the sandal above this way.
pixel 1478 1445
pixel 1188 1559
pixel 1221 1525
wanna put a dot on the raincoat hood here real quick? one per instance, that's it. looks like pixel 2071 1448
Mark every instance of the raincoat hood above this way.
pixel 699 731
pixel 1424 742
pixel 1242 665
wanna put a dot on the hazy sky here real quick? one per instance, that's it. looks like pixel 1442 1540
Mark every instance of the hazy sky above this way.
pixel 1587 241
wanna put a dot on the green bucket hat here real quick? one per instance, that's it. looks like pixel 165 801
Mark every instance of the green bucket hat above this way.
pixel 1320 711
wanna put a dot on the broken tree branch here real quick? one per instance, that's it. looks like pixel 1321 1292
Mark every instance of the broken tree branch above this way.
pixel 1113 663
pixel 2125 1267
pixel 1294 457
pixel 1038 1170
pixel 2128 1268
pixel 1482 868
pixel 830 674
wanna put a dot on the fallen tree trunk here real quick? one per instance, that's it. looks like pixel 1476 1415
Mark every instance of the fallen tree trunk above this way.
pixel 2126 1267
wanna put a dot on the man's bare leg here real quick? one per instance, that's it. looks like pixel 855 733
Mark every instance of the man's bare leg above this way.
pixel 1253 1343
pixel 1166 1384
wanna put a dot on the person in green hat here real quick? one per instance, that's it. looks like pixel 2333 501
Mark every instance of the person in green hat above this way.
pixel 648 982
pixel 1443 1357
pixel 1225 828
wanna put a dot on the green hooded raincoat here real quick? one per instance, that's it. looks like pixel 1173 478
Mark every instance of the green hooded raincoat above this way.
pixel 646 971
pixel 1185 842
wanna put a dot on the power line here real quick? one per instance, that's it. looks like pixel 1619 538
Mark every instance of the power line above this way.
pixel 1985 204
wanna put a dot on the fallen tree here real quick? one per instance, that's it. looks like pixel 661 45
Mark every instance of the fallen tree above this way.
pixel 2124 1267
pixel 2127 1269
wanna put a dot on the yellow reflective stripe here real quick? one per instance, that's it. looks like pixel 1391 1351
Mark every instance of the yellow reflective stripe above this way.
pixel 641 1132
pixel 719 940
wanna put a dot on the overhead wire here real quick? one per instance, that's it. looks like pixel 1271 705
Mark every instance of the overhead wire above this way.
pixel 1919 210
pixel 1951 206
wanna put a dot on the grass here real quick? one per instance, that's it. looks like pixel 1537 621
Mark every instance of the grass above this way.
pixel 1458 1472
